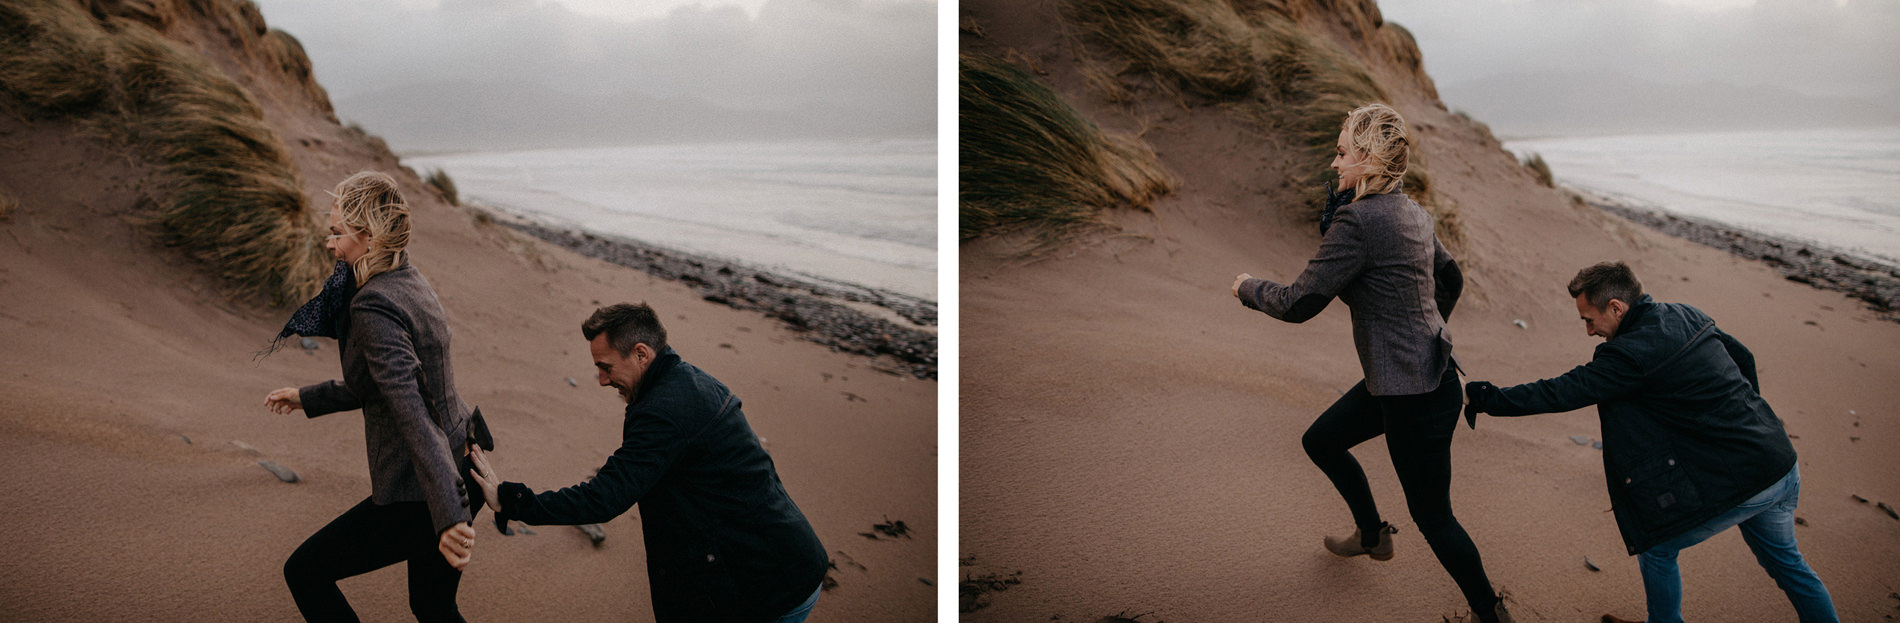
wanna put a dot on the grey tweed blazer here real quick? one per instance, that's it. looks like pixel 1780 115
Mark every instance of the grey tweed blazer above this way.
pixel 396 369
pixel 1380 257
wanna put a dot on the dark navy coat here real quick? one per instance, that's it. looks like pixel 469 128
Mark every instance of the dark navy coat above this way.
pixel 1686 434
pixel 724 542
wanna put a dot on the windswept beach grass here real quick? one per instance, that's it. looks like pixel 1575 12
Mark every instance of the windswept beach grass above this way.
pixel 1536 163
pixel 1255 63
pixel 230 197
pixel 439 179
pixel 1029 159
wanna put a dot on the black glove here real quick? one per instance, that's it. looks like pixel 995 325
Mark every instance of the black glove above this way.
pixel 1478 395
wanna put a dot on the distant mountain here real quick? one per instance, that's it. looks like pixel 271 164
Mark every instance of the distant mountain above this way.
pixel 1524 105
pixel 458 116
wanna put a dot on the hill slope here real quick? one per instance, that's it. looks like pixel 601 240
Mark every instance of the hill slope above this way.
pixel 131 407
pixel 1130 433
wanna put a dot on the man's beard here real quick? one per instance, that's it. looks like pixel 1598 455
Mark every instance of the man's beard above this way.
pixel 626 393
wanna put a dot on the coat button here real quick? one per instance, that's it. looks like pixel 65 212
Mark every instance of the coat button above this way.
pixel 709 558
pixel 1672 462
pixel 1626 481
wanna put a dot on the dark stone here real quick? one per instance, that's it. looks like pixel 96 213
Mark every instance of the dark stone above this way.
pixel 1874 282
pixel 815 309
pixel 593 532
pixel 283 473
pixel 1590 565
pixel 892 529
pixel 973 592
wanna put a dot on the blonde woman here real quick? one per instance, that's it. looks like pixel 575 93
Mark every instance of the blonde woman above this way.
pixel 1378 254
pixel 394 344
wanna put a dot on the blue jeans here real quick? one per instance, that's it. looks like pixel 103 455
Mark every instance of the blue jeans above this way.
pixel 797 615
pixel 1767 523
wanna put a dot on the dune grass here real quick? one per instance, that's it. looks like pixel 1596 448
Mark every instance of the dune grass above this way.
pixel 231 197
pixel 439 179
pixel 1541 169
pixel 1253 62
pixel 1029 159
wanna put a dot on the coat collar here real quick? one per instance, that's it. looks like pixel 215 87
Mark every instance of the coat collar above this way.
pixel 1641 308
pixel 662 363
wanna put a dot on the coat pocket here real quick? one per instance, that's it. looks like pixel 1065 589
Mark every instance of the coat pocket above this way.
pixel 1662 492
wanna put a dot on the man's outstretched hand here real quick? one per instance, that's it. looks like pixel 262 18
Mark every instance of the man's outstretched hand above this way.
pixel 1478 395
pixel 485 477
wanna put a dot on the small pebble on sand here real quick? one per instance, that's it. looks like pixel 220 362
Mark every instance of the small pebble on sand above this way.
pixel 283 473
pixel 593 532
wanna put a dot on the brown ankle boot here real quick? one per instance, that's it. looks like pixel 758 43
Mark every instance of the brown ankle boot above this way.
pixel 1349 546
pixel 1504 616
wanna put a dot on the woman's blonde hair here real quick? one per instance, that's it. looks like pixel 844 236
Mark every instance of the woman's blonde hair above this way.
pixel 369 202
pixel 1378 135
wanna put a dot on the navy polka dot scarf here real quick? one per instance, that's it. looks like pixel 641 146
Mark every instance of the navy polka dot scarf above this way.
pixel 327 315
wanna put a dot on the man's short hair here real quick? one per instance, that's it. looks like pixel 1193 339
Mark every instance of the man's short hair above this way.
pixel 1603 282
pixel 626 324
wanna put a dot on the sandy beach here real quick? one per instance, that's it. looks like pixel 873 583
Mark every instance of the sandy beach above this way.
pixel 131 408
pixel 1131 433
pixel 133 418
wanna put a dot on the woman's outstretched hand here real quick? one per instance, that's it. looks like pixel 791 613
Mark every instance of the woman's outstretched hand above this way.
pixel 286 400
pixel 1238 280
pixel 485 477
pixel 457 545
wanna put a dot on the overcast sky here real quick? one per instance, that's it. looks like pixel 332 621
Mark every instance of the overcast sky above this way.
pixel 1816 47
pixel 754 54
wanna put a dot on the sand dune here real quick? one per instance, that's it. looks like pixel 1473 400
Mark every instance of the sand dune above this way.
pixel 132 422
pixel 1130 433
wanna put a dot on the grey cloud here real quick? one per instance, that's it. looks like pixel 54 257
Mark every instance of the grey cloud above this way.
pixel 795 52
pixel 1818 47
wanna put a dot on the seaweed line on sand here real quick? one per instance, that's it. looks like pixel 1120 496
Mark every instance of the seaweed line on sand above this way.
pixel 816 310
pixel 1870 281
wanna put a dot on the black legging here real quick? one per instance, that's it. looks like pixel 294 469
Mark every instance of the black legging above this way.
pixel 366 538
pixel 1417 429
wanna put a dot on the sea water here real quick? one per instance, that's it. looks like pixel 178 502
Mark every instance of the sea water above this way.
pixel 862 213
pixel 1834 188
